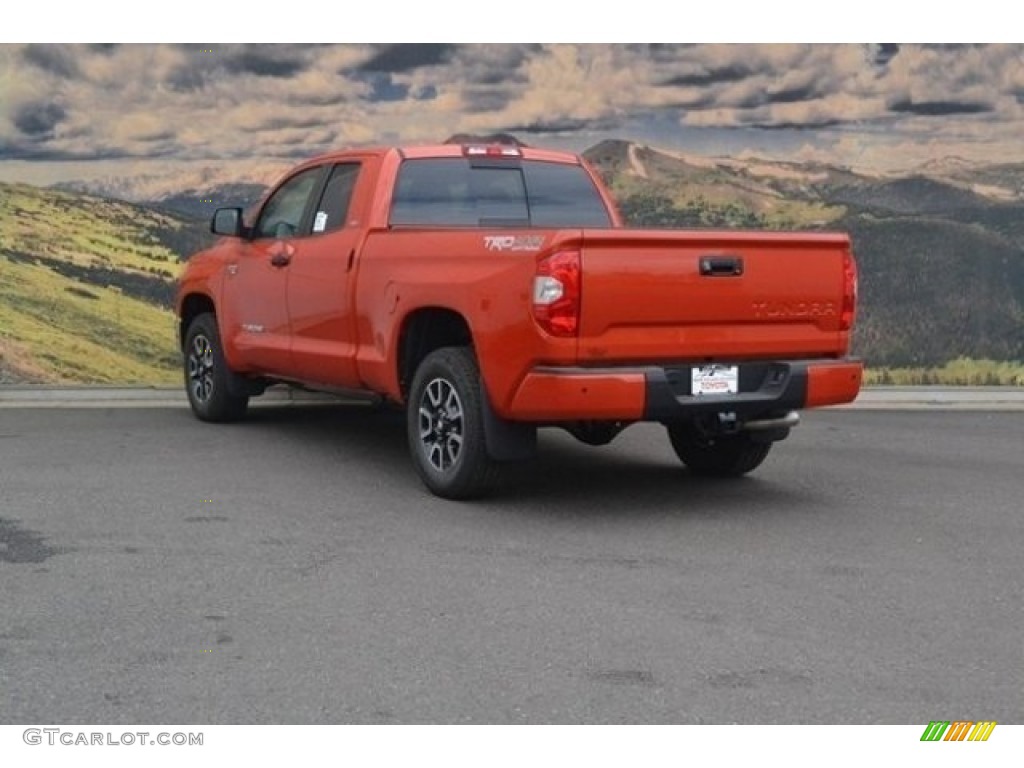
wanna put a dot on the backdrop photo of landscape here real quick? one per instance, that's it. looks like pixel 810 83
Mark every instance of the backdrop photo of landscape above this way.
pixel 114 156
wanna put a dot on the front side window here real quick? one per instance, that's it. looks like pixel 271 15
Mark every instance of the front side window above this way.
pixel 282 214
pixel 452 192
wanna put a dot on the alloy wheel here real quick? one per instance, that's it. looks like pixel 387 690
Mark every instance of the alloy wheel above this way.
pixel 441 424
pixel 200 368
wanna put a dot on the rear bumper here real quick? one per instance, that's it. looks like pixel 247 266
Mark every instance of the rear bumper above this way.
pixel 662 393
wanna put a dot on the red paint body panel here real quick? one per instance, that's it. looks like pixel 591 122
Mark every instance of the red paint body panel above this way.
pixel 644 297
pixel 833 383
pixel 551 396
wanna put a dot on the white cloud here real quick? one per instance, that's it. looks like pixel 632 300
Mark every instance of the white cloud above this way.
pixel 274 103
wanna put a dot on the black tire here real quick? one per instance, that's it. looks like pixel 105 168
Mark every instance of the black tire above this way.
pixel 445 425
pixel 722 456
pixel 207 376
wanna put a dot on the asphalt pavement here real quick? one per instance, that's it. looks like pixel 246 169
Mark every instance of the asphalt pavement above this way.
pixel 292 569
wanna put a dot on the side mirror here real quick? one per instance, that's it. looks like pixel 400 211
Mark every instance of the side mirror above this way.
pixel 227 221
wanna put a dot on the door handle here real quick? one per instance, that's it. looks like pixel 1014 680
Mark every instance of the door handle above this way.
pixel 281 254
pixel 721 266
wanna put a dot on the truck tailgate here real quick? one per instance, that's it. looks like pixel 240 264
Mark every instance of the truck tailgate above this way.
pixel 691 296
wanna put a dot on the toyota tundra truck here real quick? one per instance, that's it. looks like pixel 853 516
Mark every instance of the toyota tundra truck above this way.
pixel 492 289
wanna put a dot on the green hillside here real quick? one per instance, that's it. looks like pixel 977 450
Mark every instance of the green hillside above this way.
pixel 85 289
pixel 934 290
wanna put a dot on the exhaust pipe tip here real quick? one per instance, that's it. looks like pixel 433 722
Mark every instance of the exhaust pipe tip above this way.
pixel 788 421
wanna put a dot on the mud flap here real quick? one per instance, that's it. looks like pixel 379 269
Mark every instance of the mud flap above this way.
pixel 243 386
pixel 507 440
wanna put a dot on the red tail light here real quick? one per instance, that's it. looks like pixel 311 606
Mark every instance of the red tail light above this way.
pixel 849 310
pixel 556 293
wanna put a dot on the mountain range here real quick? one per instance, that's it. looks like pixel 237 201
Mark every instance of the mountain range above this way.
pixel 86 276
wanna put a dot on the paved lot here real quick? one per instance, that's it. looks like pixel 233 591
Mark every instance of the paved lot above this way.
pixel 292 570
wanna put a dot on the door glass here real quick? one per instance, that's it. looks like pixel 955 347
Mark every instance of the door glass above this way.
pixel 282 215
pixel 332 211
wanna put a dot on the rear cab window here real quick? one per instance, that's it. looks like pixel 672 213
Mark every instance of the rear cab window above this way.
pixel 456 192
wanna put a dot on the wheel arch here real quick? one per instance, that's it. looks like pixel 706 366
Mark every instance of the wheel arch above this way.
pixel 424 330
pixel 193 305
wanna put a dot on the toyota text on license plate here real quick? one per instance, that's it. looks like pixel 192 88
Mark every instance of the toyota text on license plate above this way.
pixel 715 380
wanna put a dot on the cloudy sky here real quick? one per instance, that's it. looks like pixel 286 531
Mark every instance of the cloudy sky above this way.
pixel 82 111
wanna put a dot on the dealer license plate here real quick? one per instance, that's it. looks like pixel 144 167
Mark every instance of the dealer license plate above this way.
pixel 715 380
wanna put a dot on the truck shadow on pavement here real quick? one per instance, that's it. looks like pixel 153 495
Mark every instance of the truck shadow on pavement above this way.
pixel 566 478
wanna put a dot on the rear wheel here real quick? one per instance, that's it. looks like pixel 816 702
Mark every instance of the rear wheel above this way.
pixel 445 424
pixel 207 375
pixel 719 455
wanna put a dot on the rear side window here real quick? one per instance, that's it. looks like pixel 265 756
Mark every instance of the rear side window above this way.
pixel 451 192
pixel 334 202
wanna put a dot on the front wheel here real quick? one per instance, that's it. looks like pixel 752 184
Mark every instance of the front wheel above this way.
pixel 716 456
pixel 445 424
pixel 207 375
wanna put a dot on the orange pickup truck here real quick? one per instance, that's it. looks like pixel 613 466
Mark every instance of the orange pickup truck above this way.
pixel 492 289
